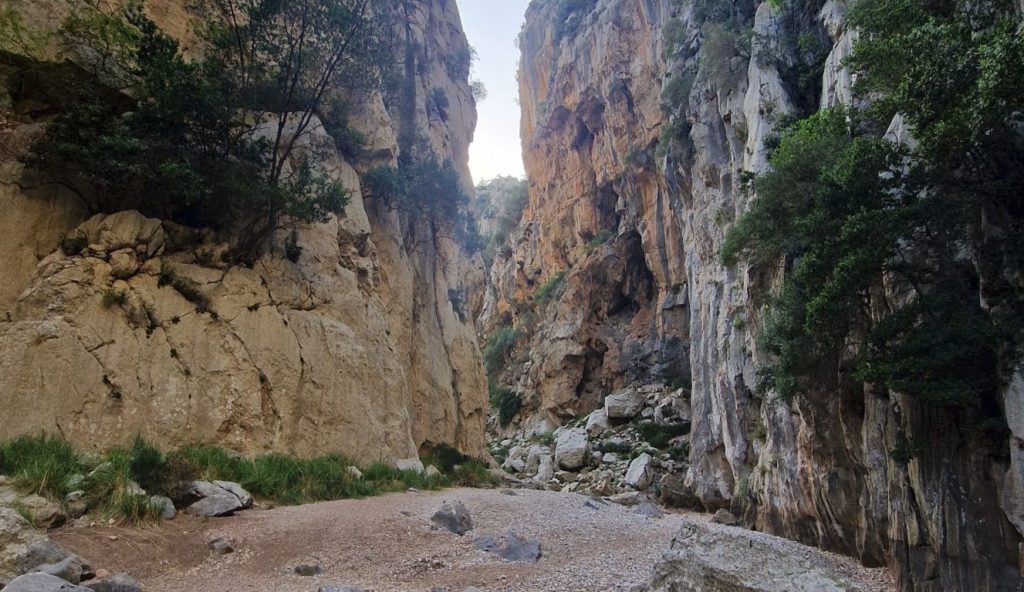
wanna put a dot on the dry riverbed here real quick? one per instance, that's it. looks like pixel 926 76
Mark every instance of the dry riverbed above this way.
pixel 388 543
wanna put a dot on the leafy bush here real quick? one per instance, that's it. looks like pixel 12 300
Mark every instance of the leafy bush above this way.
pixel 659 436
pixel 505 402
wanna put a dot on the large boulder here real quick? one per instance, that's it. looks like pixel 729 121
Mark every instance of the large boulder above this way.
pixel 219 498
pixel 572 449
pixel 22 547
pixel 453 517
pixel 42 582
pixel 597 422
pixel 44 513
pixel 641 472
pixel 713 557
pixel 625 405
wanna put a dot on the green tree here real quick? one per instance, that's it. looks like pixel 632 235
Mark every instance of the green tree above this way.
pixel 921 228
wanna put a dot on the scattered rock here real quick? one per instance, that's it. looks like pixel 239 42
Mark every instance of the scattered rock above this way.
pixel 123 263
pixel 597 422
pixel 236 490
pixel 572 449
pixel 624 405
pixel 546 468
pixel 432 472
pixel 167 511
pixel 675 494
pixel 641 472
pixel 629 498
pixel 511 492
pixel 41 582
pixel 340 589
pixel 76 503
pixel 217 500
pixel 510 547
pixel 725 517
pixel 221 545
pixel 355 472
pixel 409 464
pixel 454 517
pixel 307 570
pixel 22 547
pixel 70 569
pixel 119 582
pixel 646 508
pixel 43 513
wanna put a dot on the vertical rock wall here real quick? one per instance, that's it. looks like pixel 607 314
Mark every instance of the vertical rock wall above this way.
pixel 355 347
pixel 654 296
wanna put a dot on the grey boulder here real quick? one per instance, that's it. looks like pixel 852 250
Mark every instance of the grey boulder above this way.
pixel 23 548
pixel 220 498
pixel 510 547
pixel 41 582
pixel 167 511
pixel 572 449
pixel 69 569
pixel 308 570
pixel 453 517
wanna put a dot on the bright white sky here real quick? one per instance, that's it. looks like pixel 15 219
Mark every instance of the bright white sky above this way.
pixel 492 27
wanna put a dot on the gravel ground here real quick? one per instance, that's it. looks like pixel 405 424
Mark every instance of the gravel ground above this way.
pixel 388 543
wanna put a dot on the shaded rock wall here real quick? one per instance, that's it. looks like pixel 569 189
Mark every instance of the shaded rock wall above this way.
pixel 355 347
pixel 818 469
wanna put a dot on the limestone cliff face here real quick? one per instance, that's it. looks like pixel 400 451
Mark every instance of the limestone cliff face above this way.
pixel 652 303
pixel 354 348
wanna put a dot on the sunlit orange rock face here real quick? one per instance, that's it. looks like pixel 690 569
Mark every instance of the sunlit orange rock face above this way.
pixel 360 346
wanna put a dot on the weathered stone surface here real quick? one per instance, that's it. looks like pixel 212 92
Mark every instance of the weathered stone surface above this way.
pixel 641 472
pixel 597 422
pixel 572 449
pixel 44 513
pixel 510 547
pixel 119 582
pixel 69 569
pixel 358 342
pixel 624 405
pixel 708 557
pixel 167 510
pixel 453 517
pixel 308 570
pixel 221 545
pixel 41 582
pixel 22 547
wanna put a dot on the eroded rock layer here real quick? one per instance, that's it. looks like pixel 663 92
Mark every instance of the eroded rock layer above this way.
pixel 354 347
pixel 636 226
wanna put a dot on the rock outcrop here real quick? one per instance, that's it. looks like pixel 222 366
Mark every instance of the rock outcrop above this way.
pixel 636 154
pixel 356 345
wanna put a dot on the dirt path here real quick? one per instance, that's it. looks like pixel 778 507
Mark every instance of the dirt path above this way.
pixel 388 544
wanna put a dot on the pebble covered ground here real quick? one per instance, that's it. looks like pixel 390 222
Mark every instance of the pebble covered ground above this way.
pixel 388 543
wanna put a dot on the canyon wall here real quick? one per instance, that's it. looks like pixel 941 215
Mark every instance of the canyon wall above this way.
pixel 630 227
pixel 349 344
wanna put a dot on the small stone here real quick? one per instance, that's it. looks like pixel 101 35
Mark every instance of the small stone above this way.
pixel 510 547
pixel 725 517
pixel 629 498
pixel 339 589
pixel 454 517
pixel 167 511
pixel 432 472
pixel 307 570
pixel 354 472
pixel 69 569
pixel 646 508
pixel 120 582
pixel 597 422
pixel 221 545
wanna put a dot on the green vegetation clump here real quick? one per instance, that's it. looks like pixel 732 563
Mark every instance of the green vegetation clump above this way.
pixel 499 347
pixel 424 186
pixel 546 291
pixel 658 436
pixel 850 212
pixel 505 402
pixel 49 466
pixel 142 126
